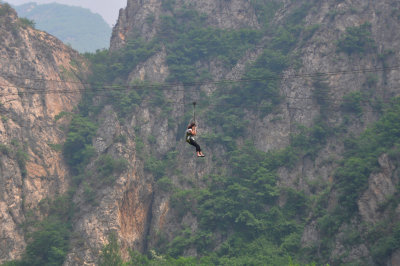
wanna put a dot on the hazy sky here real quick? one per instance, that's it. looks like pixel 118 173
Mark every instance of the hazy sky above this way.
pixel 108 9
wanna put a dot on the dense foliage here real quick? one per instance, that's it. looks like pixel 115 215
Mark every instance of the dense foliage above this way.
pixel 245 201
pixel 78 148
pixel 24 22
pixel 48 244
pixel 361 156
pixel 189 41
pixel 107 68
pixel 359 162
pixel 357 40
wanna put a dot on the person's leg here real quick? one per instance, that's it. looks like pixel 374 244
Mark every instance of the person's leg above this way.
pixel 198 149
pixel 194 143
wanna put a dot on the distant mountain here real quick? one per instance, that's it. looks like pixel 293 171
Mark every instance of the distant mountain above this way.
pixel 76 26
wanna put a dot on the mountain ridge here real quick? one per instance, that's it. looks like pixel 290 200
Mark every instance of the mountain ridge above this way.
pixel 83 30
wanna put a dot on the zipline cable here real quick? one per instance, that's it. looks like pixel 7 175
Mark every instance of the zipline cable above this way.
pixel 337 109
pixel 167 85
pixel 328 100
pixel 194 112
pixel 333 105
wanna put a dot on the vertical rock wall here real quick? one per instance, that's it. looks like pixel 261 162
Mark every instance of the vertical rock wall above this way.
pixel 33 69
pixel 317 53
pixel 32 64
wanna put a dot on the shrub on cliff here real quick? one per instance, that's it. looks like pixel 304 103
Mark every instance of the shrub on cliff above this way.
pixel 357 40
pixel 25 23
pixel 78 148
pixel 4 9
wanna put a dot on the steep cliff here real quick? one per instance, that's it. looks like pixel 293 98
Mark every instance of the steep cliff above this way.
pixel 144 19
pixel 297 115
pixel 340 67
pixel 33 67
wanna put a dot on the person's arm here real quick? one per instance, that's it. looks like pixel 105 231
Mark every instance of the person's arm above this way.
pixel 194 132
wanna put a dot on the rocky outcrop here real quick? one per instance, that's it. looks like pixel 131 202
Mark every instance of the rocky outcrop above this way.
pixel 381 186
pixel 143 18
pixel 38 80
pixel 123 208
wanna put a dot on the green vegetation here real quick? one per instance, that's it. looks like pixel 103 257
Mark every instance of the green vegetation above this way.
pixel 61 115
pixel 107 68
pixel 21 157
pixel 262 88
pixel 360 161
pixel 78 147
pixel 384 239
pixel 110 254
pixel 5 8
pixel 244 214
pixel 244 201
pixel 18 151
pixel 5 149
pixel 158 166
pixel 352 102
pixel 106 167
pixel 48 244
pixel 78 151
pixel 361 156
pixel 113 69
pixel 24 22
pixel 357 40
pixel 241 205
pixel 371 80
pixel 49 237
pixel 189 41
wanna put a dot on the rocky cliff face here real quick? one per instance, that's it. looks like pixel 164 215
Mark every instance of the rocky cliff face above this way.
pixel 34 66
pixel 138 208
pixel 142 19
pixel 328 20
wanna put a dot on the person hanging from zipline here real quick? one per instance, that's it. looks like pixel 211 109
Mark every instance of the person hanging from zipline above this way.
pixel 190 132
